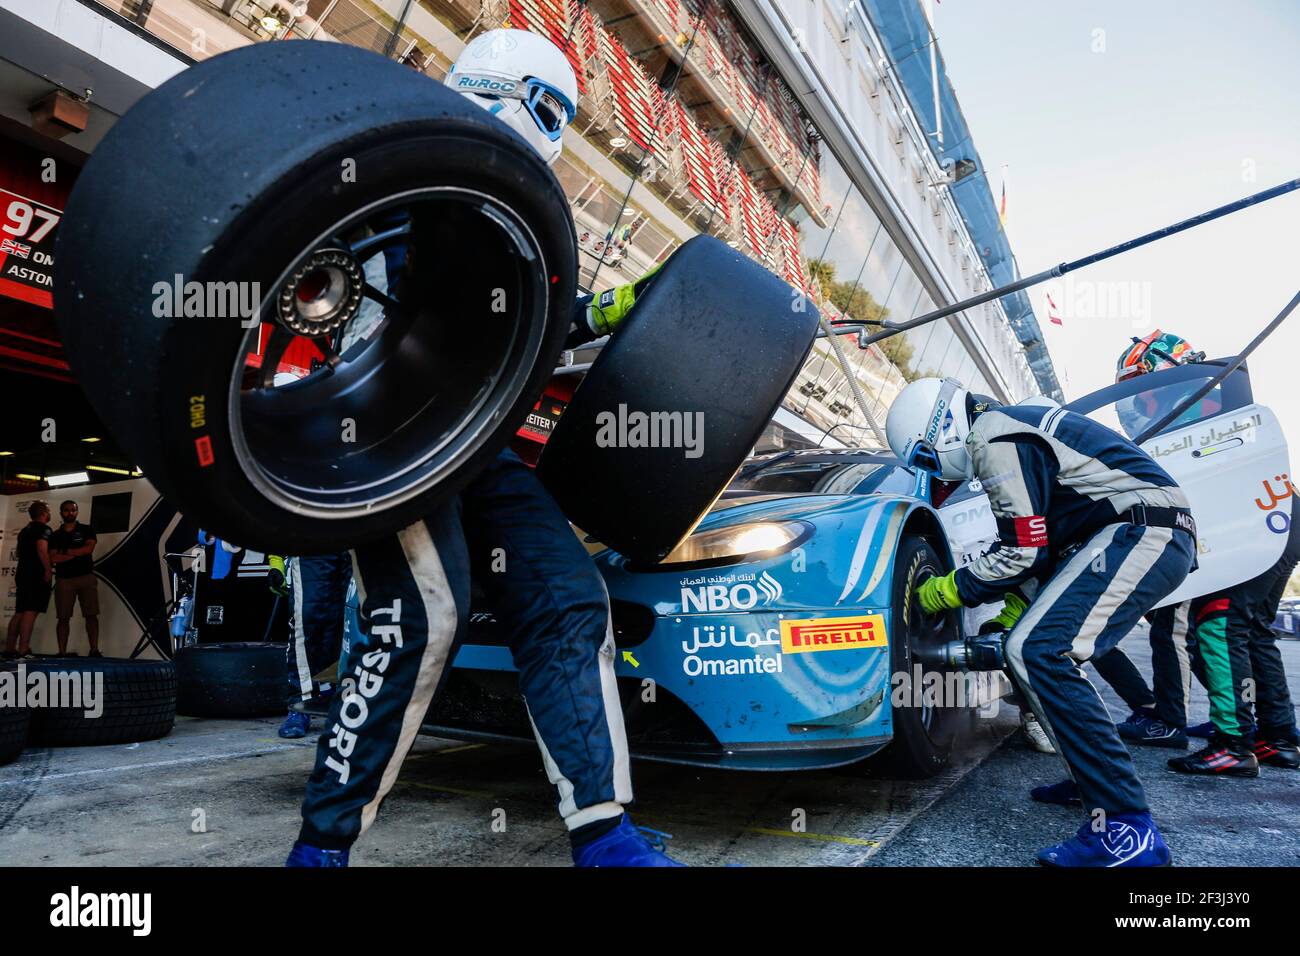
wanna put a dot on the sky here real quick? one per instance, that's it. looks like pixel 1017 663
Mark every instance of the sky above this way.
pixel 1116 118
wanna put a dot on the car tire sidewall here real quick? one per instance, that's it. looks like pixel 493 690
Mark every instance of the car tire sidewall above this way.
pixel 915 750
pixel 232 680
pixel 222 488
pixel 146 373
pixel 138 703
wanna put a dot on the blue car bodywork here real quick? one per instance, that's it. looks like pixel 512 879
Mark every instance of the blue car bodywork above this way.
pixel 770 660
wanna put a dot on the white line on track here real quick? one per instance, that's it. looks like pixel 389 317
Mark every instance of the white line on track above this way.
pixel 175 762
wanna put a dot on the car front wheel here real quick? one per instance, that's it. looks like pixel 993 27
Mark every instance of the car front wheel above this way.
pixel 930 708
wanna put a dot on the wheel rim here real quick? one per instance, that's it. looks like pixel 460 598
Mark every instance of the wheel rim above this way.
pixel 405 383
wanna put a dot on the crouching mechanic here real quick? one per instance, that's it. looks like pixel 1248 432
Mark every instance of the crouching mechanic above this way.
pixel 507 532
pixel 1106 531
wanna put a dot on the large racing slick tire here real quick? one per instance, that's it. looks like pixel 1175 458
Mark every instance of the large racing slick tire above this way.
pixel 245 679
pixel 699 366
pixel 923 734
pixel 312 292
pixel 135 700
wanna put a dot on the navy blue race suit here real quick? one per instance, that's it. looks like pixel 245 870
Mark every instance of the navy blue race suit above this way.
pixel 506 531
pixel 318 590
pixel 1226 640
pixel 1107 531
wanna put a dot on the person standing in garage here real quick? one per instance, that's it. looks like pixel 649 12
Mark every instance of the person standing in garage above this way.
pixel 507 531
pixel 71 548
pixel 1109 533
pixel 33 574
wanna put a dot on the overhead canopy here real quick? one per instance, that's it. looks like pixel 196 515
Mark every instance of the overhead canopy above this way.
pixel 902 26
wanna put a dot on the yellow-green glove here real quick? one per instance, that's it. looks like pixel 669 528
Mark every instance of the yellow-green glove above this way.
pixel 1013 605
pixel 939 594
pixel 609 308
pixel 276 577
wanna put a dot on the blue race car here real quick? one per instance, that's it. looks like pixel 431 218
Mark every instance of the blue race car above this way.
pixel 781 634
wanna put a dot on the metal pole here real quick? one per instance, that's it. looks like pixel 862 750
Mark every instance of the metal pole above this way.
pixel 1232 366
pixel 1059 270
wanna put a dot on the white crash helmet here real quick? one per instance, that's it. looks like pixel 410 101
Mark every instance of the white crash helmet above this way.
pixel 927 427
pixel 525 81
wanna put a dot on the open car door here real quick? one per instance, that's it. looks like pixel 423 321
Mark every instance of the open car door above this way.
pixel 1228 454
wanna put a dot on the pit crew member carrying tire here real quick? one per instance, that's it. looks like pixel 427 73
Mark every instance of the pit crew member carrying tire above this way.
pixel 507 531
pixel 1109 534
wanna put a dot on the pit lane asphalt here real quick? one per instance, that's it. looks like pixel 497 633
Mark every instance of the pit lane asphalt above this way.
pixel 227 793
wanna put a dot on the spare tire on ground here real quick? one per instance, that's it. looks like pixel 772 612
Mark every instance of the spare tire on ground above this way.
pixel 135 700
pixel 312 204
pixel 14 723
pixel 232 680
pixel 677 400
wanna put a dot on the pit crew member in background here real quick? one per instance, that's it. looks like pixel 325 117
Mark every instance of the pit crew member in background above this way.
pixel 507 531
pixel 72 545
pixel 317 587
pixel 1240 663
pixel 31 577
pixel 1109 534
pixel 1225 639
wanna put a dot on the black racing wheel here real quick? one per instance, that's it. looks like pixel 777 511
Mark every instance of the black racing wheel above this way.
pixel 677 400
pixel 924 728
pixel 312 292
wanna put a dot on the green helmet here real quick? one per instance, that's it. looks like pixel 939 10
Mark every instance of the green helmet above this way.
pixel 1159 350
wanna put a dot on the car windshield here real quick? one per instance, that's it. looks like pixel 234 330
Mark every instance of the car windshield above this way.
pixel 826 476
pixel 1133 414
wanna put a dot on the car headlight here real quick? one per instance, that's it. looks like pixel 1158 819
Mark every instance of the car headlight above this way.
pixel 757 539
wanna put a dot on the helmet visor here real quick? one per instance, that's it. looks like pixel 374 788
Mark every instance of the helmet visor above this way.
pixel 550 109
pixel 924 457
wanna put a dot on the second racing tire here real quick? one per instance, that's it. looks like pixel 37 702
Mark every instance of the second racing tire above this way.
pixel 231 680
pixel 923 734
pixel 312 292
pixel 677 400
pixel 109 701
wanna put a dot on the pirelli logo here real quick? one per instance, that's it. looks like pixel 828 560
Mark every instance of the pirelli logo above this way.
pixel 833 634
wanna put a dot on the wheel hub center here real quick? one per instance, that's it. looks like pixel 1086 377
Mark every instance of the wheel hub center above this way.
pixel 322 294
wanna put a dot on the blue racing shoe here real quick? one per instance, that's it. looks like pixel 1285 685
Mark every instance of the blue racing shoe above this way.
pixel 1206 730
pixel 1130 839
pixel 625 845
pixel 295 725
pixel 304 855
pixel 1143 727
pixel 1064 794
